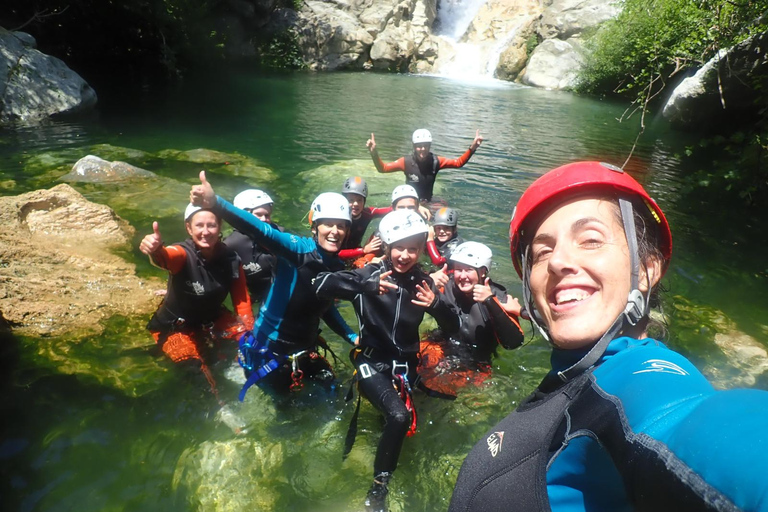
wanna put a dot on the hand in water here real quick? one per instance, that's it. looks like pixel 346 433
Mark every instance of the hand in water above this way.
pixel 152 242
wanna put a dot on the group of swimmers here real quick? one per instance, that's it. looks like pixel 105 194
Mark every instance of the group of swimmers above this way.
pixel 590 246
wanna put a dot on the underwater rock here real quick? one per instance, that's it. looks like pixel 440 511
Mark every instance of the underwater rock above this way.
pixel 233 164
pixel 57 268
pixel 92 169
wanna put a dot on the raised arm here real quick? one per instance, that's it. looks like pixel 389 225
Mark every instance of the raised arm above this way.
pixel 381 166
pixel 170 258
pixel 453 163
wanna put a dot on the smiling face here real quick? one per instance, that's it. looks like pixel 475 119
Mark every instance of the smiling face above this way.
pixel 404 254
pixel 465 277
pixel 443 233
pixel 263 213
pixel 421 151
pixel 356 204
pixel 204 229
pixel 330 233
pixel 580 273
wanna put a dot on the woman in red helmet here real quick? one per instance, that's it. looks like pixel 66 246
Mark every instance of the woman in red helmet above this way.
pixel 621 422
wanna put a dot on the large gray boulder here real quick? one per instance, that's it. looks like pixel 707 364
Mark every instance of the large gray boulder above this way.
pixel 554 64
pixel 34 86
pixel 563 19
pixel 727 87
pixel 92 169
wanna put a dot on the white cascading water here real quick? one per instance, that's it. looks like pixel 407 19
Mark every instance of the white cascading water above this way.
pixel 471 61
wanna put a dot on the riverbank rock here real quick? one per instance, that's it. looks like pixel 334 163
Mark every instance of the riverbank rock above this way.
pixel 57 268
pixel 92 169
pixel 34 86
pixel 554 64
pixel 726 88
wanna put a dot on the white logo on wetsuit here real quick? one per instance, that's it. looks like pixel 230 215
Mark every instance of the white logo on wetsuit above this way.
pixel 661 366
pixel 198 288
pixel 252 267
pixel 414 177
pixel 494 443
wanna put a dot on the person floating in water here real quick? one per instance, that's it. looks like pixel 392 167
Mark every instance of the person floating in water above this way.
pixel 422 166
pixel 203 271
pixel 283 347
pixel 621 422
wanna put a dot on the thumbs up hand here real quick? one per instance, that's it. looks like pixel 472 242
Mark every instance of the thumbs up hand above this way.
pixel 153 242
pixel 203 195
pixel 482 291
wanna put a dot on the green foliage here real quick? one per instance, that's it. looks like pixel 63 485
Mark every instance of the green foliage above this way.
pixel 531 43
pixel 652 40
pixel 282 51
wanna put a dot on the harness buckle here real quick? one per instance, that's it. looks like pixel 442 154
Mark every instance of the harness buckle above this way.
pixel 396 366
pixel 368 352
pixel 365 370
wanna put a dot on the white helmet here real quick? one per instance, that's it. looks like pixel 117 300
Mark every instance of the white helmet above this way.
pixel 329 205
pixel 421 136
pixel 402 191
pixel 401 224
pixel 474 254
pixel 251 199
pixel 190 211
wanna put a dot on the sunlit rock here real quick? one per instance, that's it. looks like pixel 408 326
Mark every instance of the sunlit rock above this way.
pixel 240 474
pixel 58 269
pixel 93 169
pixel 34 86
pixel 728 356
pixel 563 19
pixel 554 64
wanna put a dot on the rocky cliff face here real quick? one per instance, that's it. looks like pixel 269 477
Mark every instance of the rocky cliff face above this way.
pixel 34 86
pixel 403 35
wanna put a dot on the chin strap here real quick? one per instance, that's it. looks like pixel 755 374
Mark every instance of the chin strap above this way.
pixel 636 309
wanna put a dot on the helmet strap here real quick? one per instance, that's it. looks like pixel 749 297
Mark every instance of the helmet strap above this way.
pixel 636 309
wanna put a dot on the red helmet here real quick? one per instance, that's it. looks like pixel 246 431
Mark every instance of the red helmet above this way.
pixel 572 179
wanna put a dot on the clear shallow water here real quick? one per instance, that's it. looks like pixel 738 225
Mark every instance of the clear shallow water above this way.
pixel 103 423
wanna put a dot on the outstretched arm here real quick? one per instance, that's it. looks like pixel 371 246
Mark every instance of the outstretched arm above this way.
pixel 397 165
pixel 334 320
pixel 454 163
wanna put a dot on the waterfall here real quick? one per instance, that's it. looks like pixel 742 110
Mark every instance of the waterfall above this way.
pixel 469 56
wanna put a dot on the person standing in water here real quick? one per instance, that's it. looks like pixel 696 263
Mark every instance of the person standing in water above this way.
pixel 443 236
pixel 355 189
pixel 203 271
pixel 258 264
pixel 390 298
pixel 422 166
pixel 621 422
pixel 283 347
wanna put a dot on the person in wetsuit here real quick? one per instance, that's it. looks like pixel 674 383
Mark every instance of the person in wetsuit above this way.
pixel 390 298
pixel 488 317
pixel 422 166
pixel 621 422
pixel 285 338
pixel 443 236
pixel 258 264
pixel 355 189
pixel 203 272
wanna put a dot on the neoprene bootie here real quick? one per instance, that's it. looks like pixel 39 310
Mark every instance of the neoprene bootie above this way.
pixel 376 500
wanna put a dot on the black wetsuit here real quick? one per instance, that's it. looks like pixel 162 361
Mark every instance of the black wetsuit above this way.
pixel 389 340
pixel 258 263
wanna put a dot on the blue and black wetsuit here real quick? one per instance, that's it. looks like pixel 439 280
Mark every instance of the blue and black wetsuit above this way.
pixel 643 430
pixel 289 317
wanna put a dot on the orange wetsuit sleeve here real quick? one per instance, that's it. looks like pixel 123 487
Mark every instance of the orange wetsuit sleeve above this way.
pixel 171 258
pixel 381 166
pixel 434 254
pixel 241 301
pixel 453 163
